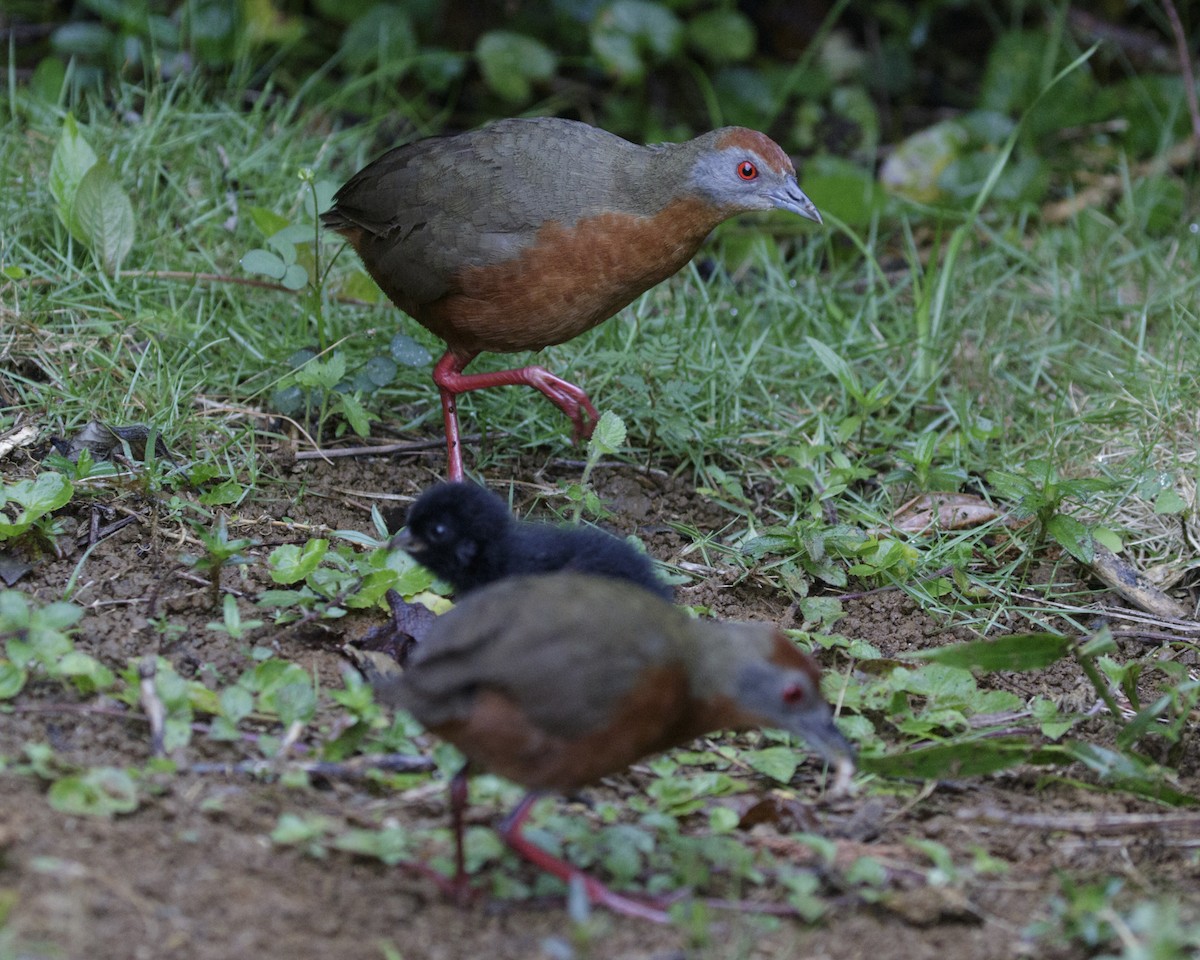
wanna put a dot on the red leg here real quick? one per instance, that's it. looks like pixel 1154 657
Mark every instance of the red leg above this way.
pixel 510 832
pixel 454 467
pixel 451 381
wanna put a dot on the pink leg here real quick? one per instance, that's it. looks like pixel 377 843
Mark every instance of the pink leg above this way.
pixel 510 832
pixel 454 467
pixel 451 381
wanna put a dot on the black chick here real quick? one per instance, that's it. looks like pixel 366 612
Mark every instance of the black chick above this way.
pixel 465 535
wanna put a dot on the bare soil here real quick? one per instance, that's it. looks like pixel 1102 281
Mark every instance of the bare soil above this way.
pixel 193 872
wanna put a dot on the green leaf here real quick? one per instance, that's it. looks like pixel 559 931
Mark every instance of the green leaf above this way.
pixel 1169 501
pixel 268 222
pixel 391 844
pixel 105 216
pixel 407 352
pixel 840 369
pixel 265 263
pixel 356 416
pixel 722 36
pixel 37 497
pixel 12 679
pixel 510 63
pixel 1024 651
pixel 295 702
pixel 237 703
pixel 608 436
pixel 100 792
pixel 228 491
pixel 87 673
pixel 383 36
pixel 1072 536
pixel 73 157
pixel 778 763
pixel 629 33
pixel 380 371
pixel 292 828
pixel 291 563
pixel 323 374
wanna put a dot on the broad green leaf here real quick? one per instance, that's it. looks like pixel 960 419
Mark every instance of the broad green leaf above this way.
pixel 628 33
pixel 12 679
pixel 105 216
pixel 237 703
pixel 778 763
pixel 380 371
pixel 291 563
pixel 374 586
pixel 391 844
pixel 87 673
pixel 407 352
pixel 1169 501
pixel 265 263
pixel 510 63
pixel 268 222
pixel 295 702
pixel 722 36
pixel 71 160
pixel 383 36
pixel 608 435
pixel 1024 651
pixel 100 792
pixel 355 414
pixel 228 491
pixel 38 497
pixel 1072 536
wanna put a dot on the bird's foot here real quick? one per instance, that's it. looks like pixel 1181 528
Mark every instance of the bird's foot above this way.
pixel 456 889
pixel 596 892
pixel 451 381
pixel 570 399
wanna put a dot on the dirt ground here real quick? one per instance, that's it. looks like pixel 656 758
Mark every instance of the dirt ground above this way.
pixel 193 872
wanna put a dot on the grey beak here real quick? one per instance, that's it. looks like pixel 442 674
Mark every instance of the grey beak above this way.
pixel 793 199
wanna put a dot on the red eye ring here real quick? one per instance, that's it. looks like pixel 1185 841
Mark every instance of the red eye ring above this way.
pixel 747 170
pixel 795 694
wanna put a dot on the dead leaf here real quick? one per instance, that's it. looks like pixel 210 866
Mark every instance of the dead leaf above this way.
pixel 943 511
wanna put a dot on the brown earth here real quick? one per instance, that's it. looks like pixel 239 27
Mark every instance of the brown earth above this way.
pixel 193 872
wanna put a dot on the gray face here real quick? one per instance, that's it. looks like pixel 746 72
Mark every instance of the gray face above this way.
pixel 741 179
pixel 789 700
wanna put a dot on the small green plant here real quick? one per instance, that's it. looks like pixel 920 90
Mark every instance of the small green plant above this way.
pixel 90 201
pixel 231 622
pixel 219 551
pixel 1041 492
pixel 606 439
pixel 37 640
pixel 29 504
pixel 922 471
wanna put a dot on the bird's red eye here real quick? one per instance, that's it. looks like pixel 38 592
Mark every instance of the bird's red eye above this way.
pixel 747 170
pixel 794 694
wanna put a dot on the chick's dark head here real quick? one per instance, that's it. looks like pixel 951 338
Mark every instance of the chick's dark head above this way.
pixel 452 529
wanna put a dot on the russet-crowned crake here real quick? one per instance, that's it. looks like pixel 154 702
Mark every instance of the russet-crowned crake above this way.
pixel 528 232
pixel 465 534
pixel 555 681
